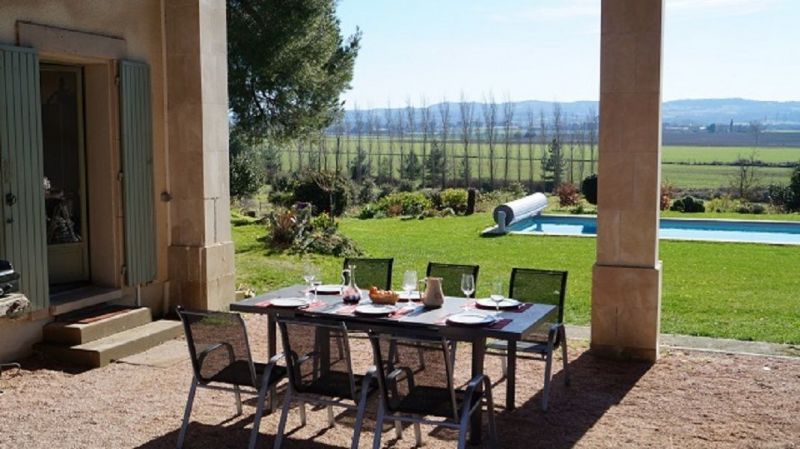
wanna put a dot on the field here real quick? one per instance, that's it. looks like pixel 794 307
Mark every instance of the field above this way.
pixel 731 290
pixel 686 167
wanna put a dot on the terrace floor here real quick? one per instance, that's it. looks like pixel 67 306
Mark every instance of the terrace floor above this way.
pixel 687 399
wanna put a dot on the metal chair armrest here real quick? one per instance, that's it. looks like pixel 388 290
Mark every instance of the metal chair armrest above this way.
pixel 205 352
pixel 472 386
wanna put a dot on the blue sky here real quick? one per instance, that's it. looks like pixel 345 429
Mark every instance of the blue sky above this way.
pixel 549 49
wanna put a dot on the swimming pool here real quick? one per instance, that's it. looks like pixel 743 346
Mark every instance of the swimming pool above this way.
pixel 774 232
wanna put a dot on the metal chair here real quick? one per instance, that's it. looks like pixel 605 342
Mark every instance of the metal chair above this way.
pixel 221 360
pixel 315 378
pixel 369 272
pixel 543 287
pixel 412 391
pixel 451 276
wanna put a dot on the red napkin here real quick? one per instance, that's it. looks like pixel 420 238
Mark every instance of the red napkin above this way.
pixel 346 310
pixel 401 312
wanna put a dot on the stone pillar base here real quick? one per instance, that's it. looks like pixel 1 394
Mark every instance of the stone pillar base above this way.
pixel 202 277
pixel 626 309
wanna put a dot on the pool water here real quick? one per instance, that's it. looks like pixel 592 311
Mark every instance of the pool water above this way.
pixel 775 232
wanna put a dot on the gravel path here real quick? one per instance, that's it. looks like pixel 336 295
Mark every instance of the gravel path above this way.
pixel 687 399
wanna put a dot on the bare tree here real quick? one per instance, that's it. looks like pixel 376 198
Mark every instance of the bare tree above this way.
pixel 543 141
pixel 757 127
pixel 400 125
pixel 572 145
pixel 530 134
pixel 411 123
pixel 581 150
pixel 490 121
pixel 390 132
pixel 508 121
pixel 744 181
pixel 592 120
pixel 358 121
pixel 341 130
pixel 467 110
pixel 444 117
pixel 370 131
pixel 425 113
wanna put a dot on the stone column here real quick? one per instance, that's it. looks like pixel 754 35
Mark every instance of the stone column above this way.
pixel 626 280
pixel 201 267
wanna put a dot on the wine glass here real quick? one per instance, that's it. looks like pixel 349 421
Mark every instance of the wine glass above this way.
pixel 310 274
pixel 467 284
pixel 498 295
pixel 409 282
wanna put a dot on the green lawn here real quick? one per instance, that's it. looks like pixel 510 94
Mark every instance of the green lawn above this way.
pixel 742 291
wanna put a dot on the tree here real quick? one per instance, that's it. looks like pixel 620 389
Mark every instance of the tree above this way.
pixel 508 121
pixel 425 112
pixel 444 116
pixel 390 131
pixel 411 124
pixel 746 178
pixel 411 169
pixel 467 110
pixel 287 65
pixel 245 178
pixel 530 134
pixel 592 120
pixel 435 163
pixel 756 128
pixel 553 161
pixel 490 120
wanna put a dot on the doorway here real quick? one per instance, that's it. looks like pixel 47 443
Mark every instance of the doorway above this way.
pixel 64 176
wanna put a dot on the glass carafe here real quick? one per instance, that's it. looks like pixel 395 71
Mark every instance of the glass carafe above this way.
pixel 351 294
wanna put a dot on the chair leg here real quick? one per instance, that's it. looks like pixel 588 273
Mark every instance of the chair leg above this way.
pixel 287 403
pixel 187 413
pixel 362 408
pixel 462 435
pixel 331 420
pixel 453 349
pixel 376 440
pixel 302 414
pixel 504 366
pixel 398 429
pixel 238 393
pixel 563 333
pixel 262 396
pixel 548 368
pixel 417 434
pixel 490 410
pixel 421 355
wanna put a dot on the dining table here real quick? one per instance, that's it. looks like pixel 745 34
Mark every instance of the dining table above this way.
pixel 509 325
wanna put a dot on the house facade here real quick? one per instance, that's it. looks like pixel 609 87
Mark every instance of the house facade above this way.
pixel 114 157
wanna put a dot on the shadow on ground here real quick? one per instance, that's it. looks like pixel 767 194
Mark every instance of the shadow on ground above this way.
pixel 597 385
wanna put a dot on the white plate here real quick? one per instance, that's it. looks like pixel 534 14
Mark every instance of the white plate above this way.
pixel 408 296
pixel 375 309
pixel 288 302
pixel 329 289
pixel 471 319
pixel 506 303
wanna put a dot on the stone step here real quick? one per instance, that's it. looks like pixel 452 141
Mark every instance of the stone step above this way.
pixel 105 350
pixel 81 298
pixel 95 324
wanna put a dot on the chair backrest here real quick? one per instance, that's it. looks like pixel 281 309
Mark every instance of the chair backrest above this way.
pixel 451 276
pixel 415 370
pixel 539 286
pixel 216 340
pixel 310 362
pixel 369 272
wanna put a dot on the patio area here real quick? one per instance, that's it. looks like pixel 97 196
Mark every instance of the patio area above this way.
pixel 686 399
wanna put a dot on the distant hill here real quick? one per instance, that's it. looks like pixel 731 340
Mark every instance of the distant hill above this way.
pixel 678 112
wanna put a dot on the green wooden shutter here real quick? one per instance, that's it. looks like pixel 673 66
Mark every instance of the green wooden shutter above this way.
pixel 136 129
pixel 24 240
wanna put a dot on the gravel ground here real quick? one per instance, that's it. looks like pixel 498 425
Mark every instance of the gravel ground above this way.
pixel 687 399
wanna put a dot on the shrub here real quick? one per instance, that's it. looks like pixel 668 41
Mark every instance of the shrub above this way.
pixel 568 194
pixel 516 189
pixel 296 230
pixel 366 191
pixel 406 185
pixel 589 189
pixel 724 203
pixel 751 208
pixel 455 199
pixel 326 191
pixel 666 195
pixel 404 203
pixel 385 189
pixel 367 212
pixel 688 204
pixel 488 200
pixel 434 196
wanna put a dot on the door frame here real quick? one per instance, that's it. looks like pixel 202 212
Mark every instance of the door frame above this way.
pixel 46 66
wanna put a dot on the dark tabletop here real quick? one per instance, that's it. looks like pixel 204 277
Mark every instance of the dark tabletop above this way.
pixel 531 320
